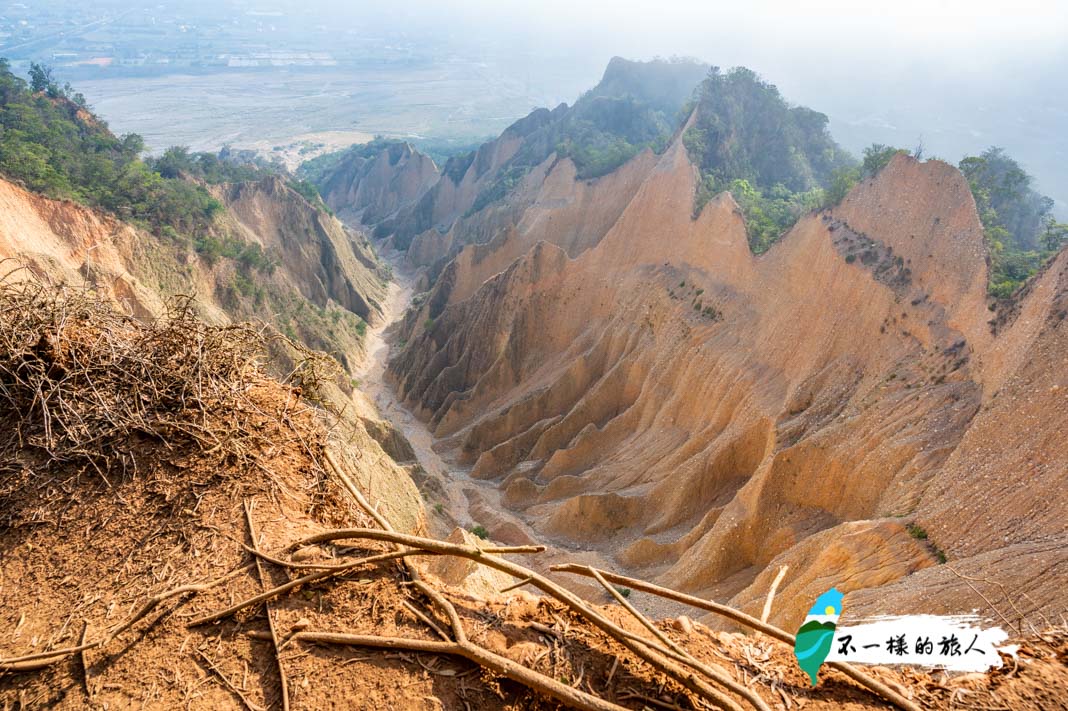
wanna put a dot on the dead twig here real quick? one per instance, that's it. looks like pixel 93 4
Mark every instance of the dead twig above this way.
pixel 515 586
pixel 766 612
pixel 210 665
pixel 83 662
pixel 426 620
pixel 572 697
pixel 267 609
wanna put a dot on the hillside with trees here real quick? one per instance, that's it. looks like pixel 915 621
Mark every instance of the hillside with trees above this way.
pixel 52 144
pixel 1021 231
pixel 775 159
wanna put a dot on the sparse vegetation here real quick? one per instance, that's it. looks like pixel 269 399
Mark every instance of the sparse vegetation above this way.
pixel 480 531
pixel 249 255
pixel 920 534
pixel 917 532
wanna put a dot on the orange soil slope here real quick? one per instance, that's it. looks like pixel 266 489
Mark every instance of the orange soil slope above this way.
pixel 704 413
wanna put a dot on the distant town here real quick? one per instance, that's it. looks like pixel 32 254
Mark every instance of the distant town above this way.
pixel 173 35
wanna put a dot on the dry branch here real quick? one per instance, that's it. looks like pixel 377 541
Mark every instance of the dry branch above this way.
pixel 227 683
pixel 870 683
pixel 296 583
pixel 716 674
pixel 637 645
pixel 572 697
pixel 267 609
pixel 766 612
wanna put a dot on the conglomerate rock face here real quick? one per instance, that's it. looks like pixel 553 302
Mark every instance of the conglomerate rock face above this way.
pixel 639 382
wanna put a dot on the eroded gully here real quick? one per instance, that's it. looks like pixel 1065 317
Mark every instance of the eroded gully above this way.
pixel 466 502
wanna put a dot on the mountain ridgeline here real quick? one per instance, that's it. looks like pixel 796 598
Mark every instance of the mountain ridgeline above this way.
pixel 729 346
pixel 635 107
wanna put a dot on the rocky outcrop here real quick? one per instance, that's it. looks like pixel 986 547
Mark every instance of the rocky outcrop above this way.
pixel 454 194
pixel 321 258
pixel 67 243
pixel 372 183
pixel 638 381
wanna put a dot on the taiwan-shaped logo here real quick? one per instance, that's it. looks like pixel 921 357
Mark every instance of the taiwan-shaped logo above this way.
pixel 816 637
pixel 953 642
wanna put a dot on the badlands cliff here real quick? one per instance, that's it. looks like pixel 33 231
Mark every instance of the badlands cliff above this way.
pixel 323 289
pixel 634 386
pixel 850 403
pixel 372 183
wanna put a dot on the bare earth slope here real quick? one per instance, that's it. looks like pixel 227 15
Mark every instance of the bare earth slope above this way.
pixel 323 281
pixel 705 414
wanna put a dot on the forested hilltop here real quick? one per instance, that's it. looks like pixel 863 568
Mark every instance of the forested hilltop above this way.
pixel 776 160
pixel 635 106
pixel 53 144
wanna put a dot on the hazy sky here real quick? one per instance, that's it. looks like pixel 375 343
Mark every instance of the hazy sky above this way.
pixel 956 75
pixel 963 35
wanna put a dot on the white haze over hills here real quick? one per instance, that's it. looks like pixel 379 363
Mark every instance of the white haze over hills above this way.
pixel 954 75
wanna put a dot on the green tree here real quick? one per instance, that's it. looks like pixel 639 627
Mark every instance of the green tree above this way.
pixel 1055 235
pixel 842 181
pixel 1020 232
pixel 877 156
pixel 778 161
pixel 42 78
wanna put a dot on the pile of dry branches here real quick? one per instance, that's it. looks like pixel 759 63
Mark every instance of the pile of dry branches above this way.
pixel 82 382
